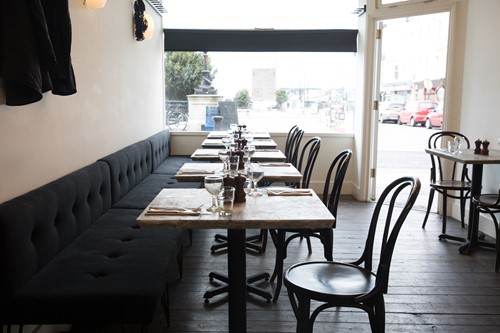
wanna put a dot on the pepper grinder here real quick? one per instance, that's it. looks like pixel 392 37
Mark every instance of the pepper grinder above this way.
pixel 478 143
pixel 485 150
pixel 239 192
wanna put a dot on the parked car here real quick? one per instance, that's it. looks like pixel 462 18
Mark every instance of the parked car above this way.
pixel 415 112
pixel 434 119
pixel 391 112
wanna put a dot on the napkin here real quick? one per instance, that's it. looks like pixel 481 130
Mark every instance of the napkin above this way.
pixel 274 164
pixel 289 192
pixel 195 172
pixel 172 211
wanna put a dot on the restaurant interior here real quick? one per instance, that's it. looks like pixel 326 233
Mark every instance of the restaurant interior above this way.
pixel 118 100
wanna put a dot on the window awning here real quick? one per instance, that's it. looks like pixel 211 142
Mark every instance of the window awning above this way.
pixel 335 40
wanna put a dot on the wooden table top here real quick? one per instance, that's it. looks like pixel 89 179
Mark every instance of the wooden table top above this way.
pixel 265 212
pixel 222 134
pixel 259 143
pixel 273 172
pixel 264 155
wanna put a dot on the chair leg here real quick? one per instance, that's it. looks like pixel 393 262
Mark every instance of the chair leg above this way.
pixel 309 246
pixel 445 211
pixel 429 205
pixel 462 208
pixel 327 240
pixel 278 237
pixel 303 323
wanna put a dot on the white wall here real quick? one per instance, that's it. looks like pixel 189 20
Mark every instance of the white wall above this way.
pixel 119 101
pixel 480 116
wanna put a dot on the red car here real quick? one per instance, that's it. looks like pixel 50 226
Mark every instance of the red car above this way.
pixel 434 119
pixel 415 112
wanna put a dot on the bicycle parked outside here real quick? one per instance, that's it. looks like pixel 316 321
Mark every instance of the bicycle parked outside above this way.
pixel 177 115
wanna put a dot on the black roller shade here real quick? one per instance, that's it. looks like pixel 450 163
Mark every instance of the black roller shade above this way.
pixel 335 40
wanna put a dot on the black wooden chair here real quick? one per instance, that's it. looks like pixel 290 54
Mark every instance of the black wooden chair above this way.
pixel 488 203
pixel 456 186
pixel 331 197
pixel 292 145
pixel 358 284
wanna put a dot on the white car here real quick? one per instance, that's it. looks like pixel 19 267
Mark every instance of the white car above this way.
pixel 391 112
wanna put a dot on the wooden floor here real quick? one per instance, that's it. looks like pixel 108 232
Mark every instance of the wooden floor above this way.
pixel 432 287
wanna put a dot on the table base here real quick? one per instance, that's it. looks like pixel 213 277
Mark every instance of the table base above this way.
pixel 251 243
pixel 251 289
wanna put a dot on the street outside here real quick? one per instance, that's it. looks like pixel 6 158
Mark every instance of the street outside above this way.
pixel 401 153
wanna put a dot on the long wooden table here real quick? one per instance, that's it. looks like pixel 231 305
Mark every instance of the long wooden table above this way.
pixel 258 143
pixel 264 155
pixel 273 172
pixel 467 156
pixel 265 212
pixel 223 134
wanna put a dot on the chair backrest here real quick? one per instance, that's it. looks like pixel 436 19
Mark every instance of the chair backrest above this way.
pixel 439 140
pixel 392 208
pixel 336 172
pixel 306 166
pixel 291 134
pixel 292 145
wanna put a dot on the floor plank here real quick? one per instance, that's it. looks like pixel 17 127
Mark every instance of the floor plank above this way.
pixel 432 287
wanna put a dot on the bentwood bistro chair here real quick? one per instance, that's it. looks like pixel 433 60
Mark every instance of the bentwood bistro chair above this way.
pixel 359 284
pixel 331 196
pixel 454 185
pixel 490 204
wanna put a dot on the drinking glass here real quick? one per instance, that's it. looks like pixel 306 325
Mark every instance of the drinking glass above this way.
pixel 214 185
pixel 249 151
pixel 224 157
pixel 234 164
pixel 255 173
pixel 226 141
pixel 226 201
pixel 233 127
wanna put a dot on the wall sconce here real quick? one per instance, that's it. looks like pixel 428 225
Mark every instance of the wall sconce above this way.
pixel 143 22
pixel 151 26
pixel 94 4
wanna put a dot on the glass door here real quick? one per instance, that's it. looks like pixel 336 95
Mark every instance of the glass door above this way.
pixel 411 83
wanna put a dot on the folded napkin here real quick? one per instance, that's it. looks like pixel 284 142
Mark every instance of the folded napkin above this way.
pixel 277 164
pixel 173 211
pixel 195 172
pixel 206 154
pixel 289 192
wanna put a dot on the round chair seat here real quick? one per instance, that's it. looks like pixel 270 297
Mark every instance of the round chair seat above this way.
pixel 486 200
pixel 451 185
pixel 325 279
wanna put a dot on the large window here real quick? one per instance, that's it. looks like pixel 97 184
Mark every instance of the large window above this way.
pixel 302 76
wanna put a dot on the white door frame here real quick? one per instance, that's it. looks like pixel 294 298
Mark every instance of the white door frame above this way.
pixel 366 132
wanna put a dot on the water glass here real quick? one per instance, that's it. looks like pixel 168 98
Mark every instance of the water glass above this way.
pixel 213 185
pixel 226 201
pixel 234 163
pixel 452 147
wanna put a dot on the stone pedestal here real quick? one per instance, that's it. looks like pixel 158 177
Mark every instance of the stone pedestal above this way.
pixel 197 105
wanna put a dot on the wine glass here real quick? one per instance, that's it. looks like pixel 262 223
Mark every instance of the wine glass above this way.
pixel 249 151
pixel 224 157
pixel 458 143
pixel 233 127
pixel 226 141
pixel 214 185
pixel 255 173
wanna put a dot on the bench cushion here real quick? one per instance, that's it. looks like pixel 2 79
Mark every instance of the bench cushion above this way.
pixel 114 272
